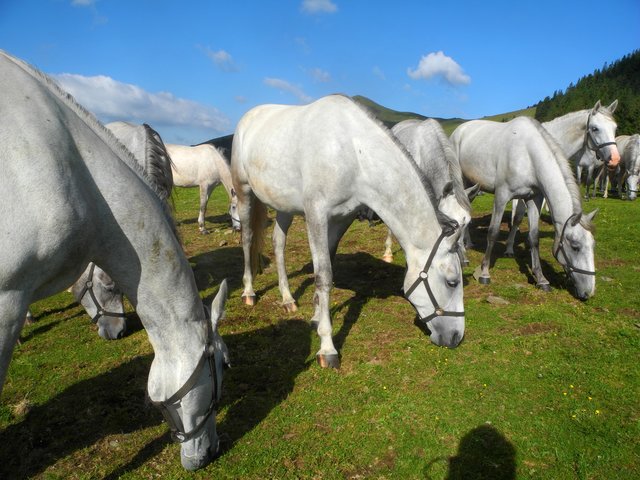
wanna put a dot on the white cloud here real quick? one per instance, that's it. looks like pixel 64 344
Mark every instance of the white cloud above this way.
pixel 319 6
pixel 320 75
pixel 437 64
pixel 111 100
pixel 377 71
pixel 287 87
pixel 221 59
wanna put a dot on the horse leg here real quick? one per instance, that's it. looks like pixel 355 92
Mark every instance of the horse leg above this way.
pixel 280 229
pixel 388 243
pixel 205 192
pixel 516 220
pixel 13 310
pixel 534 206
pixel 499 204
pixel 245 203
pixel 318 233
pixel 336 231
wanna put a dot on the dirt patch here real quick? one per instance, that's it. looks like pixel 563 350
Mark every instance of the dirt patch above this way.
pixel 536 328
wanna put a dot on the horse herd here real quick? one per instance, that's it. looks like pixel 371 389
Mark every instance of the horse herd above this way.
pixel 87 205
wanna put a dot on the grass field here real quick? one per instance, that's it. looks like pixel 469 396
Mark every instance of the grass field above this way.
pixel 543 386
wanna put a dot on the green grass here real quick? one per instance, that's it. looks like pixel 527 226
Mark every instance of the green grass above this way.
pixel 543 387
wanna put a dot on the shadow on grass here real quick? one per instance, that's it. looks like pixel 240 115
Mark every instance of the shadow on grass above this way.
pixel 265 363
pixel 483 453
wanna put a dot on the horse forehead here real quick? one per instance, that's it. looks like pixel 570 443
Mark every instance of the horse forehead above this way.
pixel 603 119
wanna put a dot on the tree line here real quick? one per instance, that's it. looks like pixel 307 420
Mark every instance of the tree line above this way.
pixel 620 80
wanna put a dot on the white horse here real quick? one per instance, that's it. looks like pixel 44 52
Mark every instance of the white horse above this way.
pixel 589 134
pixel 587 160
pixel 326 160
pixel 519 159
pixel 431 149
pixel 74 194
pixel 629 145
pixel 203 166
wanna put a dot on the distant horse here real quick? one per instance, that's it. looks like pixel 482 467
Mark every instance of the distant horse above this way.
pixel 629 145
pixel 520 159
pixel 205 167
pixel 590 131
pixel 326 160
pixel 588 161
pixel 74 195
pixel 431 149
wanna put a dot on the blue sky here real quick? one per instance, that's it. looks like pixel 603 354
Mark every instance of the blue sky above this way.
pixel 191 69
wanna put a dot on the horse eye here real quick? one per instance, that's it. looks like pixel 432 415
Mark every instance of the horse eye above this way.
pixel 594 129
pixel 575 248
pixel 453 283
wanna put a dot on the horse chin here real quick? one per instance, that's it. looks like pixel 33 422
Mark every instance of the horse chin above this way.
pixel 447 337
pixel 111 330
pixel 199 452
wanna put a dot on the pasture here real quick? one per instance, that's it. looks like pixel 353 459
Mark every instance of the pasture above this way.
pixel 543 385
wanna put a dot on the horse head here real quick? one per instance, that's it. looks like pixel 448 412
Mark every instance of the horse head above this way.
pixel 434 288
pixel 191 410
pixel 574 249
pixel 233 211
pixel 102 300
pixel 601 133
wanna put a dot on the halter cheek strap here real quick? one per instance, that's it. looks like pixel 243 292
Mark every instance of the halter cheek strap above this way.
pixel 568 268
pixel 591 143
pixel 101 312
pixel 423 278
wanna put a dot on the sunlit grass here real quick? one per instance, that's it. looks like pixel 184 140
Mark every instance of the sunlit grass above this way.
pixel 545 386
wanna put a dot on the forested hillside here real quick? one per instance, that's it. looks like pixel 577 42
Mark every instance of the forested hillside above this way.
pixel 619 80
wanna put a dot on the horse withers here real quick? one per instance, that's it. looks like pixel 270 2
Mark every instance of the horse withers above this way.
pixel 327 160
pixel 74 195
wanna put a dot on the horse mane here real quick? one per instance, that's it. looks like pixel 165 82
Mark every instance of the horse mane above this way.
pixel 567 173
pixel 444 220
pixel 103 132
pixel 158 164
pixel 455 172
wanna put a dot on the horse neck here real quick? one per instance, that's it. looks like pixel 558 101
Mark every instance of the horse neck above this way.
pixel 569 131
pixel 225 174
pixel 554 186
pixel 392 187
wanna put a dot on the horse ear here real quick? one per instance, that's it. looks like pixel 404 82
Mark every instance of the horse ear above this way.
pixel 576 219
pixel 217 305
pixel 591 216
pixel 597 106
pixel 448 189
pixel 472 192
pixel 612 107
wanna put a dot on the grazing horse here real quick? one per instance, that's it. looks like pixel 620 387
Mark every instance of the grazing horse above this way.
pixel 326 160
pixel 431 149
pixel 629 145
pixel 589 134
pixel 589 161
pixel 520 159
pixel 205 167
pixel 75 195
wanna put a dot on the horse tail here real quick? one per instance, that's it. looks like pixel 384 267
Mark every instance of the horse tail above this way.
pixel 257 224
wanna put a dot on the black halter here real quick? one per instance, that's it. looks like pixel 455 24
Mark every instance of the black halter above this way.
pixel 568 268
pixel 101 312
pixel 591 143
pixel 423 277
pixel 178 432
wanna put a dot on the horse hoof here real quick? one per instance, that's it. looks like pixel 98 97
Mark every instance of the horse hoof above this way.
pixel 484 280
pixel 387 258
pixel 545 287
pixel 290 307
pixel 328 361
pixel 508 254
pixel 204 231
pixel 249 300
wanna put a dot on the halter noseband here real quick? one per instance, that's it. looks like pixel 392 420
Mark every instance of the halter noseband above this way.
pixel 423 277
pixel 568 268
pixel 591 143
pixel 101 312
pixel 178 432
